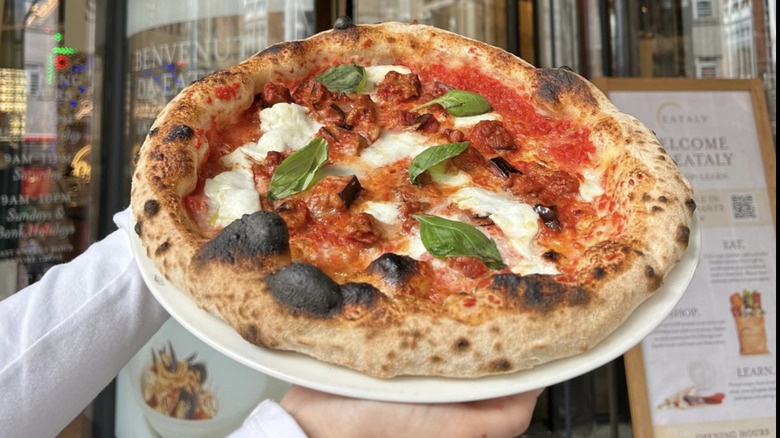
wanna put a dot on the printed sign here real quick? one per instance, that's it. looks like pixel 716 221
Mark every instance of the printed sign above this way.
pixel 178 386
pixel 710 367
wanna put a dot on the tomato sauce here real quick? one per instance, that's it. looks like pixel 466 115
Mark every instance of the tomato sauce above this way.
pixel 565 142
pixel 227 92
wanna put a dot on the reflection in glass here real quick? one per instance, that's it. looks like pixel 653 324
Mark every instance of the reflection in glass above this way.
pixel 171 47
pixel 46 83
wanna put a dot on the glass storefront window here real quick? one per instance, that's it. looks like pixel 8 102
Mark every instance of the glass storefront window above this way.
pixel 47 79
pixel 730 39
pixel 472 18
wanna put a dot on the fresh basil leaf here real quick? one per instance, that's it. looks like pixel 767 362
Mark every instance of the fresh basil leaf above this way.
pixel 344 78
pixel 448 238
pixel 461 103
pixel 297 172
pixel 433 156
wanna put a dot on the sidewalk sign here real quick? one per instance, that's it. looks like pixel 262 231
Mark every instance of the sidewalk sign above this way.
pixel 709 370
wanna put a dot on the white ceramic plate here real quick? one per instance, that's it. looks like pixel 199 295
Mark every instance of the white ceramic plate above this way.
pixel 312 373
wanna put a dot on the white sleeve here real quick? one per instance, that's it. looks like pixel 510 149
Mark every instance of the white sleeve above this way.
pixel 64 338
pixel 269 420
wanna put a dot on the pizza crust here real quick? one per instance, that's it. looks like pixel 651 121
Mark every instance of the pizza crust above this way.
pixel 508 327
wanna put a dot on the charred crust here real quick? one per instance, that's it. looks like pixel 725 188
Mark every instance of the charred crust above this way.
pixel 179 133
pixel 507 283
pixel 253 331
pixel 542 294
pixel 461 344
pixel 555 82
pixel 262 233
pixel 647 198
pixel 360 294
pixel 655 280
pixel 220 76
pixel 551 255
pixel 274 49
pixel 410 340
pixel 305 288
pixel 691 204
pixel 663 199
pixel 538 292
pixel 683 234
pixel 657 209
pixel 153 132
pixel 599 272
pixel 343 22
pixel 180 107
pixel 499 366
pixel 394 268
pixel 165 246
pixel 579 296
pixel 137 228
pixel 151 208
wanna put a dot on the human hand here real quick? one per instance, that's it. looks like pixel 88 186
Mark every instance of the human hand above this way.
pixel 323 415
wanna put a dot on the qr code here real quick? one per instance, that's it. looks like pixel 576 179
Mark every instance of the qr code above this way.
pixel 743 207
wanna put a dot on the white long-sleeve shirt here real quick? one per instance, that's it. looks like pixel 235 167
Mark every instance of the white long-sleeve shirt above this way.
pixel 64 338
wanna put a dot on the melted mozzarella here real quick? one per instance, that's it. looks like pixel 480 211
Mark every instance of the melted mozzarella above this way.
pixel 341 170
pixel 391 147
pixel 238 158
pixel 468 122
pixel 591 188
pixel 385 212
pixel 440 176
pixel 286 126
pixel 518 221
pixel 231 195
pixel 413 247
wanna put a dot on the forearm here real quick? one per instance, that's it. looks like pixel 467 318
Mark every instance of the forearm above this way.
pixel 63 339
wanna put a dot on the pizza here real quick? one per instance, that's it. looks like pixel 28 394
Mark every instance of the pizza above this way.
pixel 401 200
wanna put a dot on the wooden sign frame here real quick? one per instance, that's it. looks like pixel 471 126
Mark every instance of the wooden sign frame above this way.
pixel 636 377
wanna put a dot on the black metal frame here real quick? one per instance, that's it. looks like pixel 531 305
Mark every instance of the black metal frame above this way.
pixel 114 191
pixel 114 152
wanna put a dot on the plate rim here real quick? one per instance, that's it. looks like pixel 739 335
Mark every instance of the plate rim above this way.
pixel 297 368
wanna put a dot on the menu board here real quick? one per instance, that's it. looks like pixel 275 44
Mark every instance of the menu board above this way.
pixel 710 367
